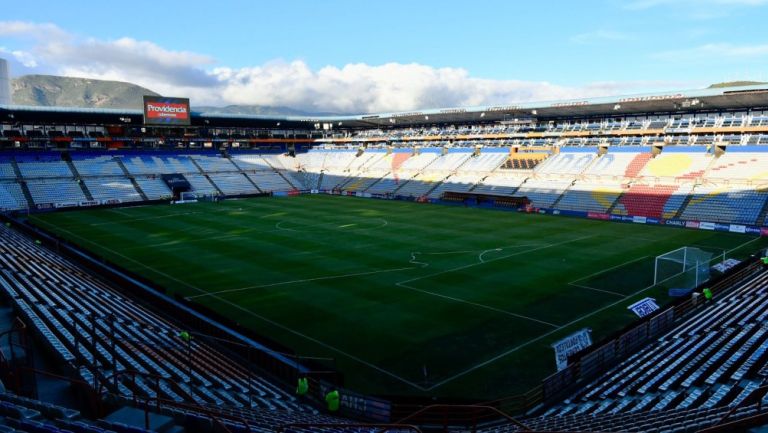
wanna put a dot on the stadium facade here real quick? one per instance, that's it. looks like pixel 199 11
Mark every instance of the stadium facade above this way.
pixel 690 159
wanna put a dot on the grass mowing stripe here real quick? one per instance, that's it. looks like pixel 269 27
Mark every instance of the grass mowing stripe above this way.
pixel 301 283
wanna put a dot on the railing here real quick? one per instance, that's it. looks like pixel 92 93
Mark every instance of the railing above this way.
pixel 465 417
pixel 380 428
pixel 725 425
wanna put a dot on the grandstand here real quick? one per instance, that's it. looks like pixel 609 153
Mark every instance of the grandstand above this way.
pixel 100 276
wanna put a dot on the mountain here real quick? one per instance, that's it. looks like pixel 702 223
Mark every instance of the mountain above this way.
pixel 49 90
pixel 735 84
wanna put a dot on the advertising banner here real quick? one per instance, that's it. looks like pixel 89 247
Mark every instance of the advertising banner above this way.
pixel 569 345
pixel 159 110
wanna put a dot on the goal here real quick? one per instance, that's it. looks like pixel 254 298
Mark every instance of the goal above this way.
pixel 685 267
pixel 194 197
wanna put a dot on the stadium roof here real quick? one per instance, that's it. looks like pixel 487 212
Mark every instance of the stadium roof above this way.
pixel 711 99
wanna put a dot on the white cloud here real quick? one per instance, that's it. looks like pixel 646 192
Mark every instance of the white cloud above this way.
pixel 23 57
pixel 715 52
pixel 647 4
pixel 352 88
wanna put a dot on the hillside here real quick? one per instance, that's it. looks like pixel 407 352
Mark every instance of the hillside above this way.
pixel 49 90
pixel 735 84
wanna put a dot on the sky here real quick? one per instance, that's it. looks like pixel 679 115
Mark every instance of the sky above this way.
pixel 359 56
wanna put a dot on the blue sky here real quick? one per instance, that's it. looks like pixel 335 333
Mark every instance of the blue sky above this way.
pixel 355 56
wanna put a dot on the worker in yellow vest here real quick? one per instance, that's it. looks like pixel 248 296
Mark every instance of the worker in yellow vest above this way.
pixel 302 387
pixel 332 399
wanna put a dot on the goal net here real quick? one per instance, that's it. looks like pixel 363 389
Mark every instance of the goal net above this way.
pixel 194 197
pixel 684 268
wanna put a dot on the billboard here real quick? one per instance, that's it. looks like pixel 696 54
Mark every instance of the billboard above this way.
pixel 159 110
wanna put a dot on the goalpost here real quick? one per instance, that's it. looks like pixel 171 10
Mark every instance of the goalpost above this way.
pixel 194 197
pixel 688 266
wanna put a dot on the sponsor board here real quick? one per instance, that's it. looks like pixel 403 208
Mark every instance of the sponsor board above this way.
pixel 692 224
pixel 598 216
pixel 764 231
pixel 569 345
pixel 45 206
pixel 66 204
pixel 676 223
pixel 706 226
pixel 752 230
pixel 644 307
pixel 616 218
pixel 725 265
pixel 111 201
pixel 722 227
pixel 737 228
pixel 639 219
pixel 359 405
pixel 89 203
pixel 652 221
pixel 314 191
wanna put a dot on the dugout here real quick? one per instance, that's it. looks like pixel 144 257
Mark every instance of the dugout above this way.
pixel 473 199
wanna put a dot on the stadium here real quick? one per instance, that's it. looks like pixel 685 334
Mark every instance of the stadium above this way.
pixel 589 263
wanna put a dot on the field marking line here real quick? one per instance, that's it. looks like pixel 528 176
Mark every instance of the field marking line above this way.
pixel 742 245
pixel 487 307
pixel 260 317
pixel 608 269
pixel 283 283
pixel 404 284
pixel 171 215
pixel 480 256
pixel 495 259
pixel 383 223
pixel 598 290
pixel 529 342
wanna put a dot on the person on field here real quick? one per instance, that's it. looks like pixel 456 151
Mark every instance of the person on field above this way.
pixel 302 387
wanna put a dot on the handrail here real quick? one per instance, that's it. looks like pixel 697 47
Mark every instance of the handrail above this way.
pixel 384 427
pixel 492 409
pixel 758 395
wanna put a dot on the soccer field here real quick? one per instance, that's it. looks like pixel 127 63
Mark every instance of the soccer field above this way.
pixel 407 298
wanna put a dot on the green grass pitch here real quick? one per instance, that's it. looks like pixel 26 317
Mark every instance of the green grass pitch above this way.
pixel 393 290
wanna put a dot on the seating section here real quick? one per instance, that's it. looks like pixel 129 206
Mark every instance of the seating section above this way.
pixel 725 204
pixel 106 188
pixel 270 181
pixel 691 185
pixel 681 166
pixel 233 184
pixel 500 184
pixel 737 165
pixel 55 191
pixel 211 164
pixel 590 197
pixel 688 380
pixel 153 187
pixel 542 193
pixel 97 166
pixel 32 170
pixel 11 196
pixel 6 171
pixel 565 163
pixel 76 315
pixel 654 201
pixel 159 164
